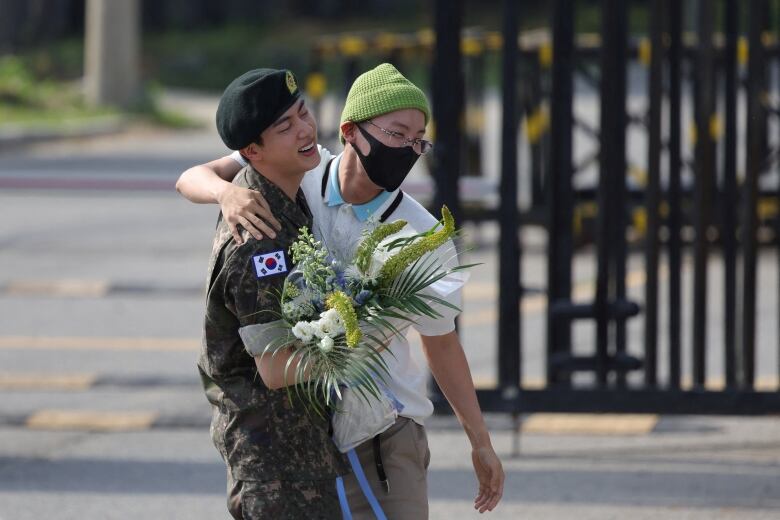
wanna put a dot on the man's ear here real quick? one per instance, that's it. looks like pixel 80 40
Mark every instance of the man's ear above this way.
pixel 348 131
pixel 252 152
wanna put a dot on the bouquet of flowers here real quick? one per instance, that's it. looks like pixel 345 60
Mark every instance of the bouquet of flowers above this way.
pixel 338 318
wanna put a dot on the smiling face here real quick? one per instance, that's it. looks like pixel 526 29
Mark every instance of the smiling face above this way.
pixel 289 145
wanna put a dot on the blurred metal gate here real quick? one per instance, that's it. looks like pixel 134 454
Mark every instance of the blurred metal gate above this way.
pixel 719 212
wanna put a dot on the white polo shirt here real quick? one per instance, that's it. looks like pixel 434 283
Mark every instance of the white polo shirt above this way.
pixel 339 226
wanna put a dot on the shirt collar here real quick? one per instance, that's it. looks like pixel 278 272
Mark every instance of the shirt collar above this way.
pixel 296 211
pixel 362 211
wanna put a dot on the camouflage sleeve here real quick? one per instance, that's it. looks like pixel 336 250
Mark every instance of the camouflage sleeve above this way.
pixel 255 273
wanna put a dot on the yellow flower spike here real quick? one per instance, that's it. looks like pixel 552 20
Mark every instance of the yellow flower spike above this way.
pixel 343 305
pixel 404 258
pixel 367 247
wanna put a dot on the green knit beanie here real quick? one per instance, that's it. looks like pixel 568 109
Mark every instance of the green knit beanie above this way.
pixel 379 91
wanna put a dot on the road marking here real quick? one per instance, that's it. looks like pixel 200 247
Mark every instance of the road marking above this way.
pixel 762 383
pixel 29 381
pixel 90 420
pixel 98 343
pixel 490 382
pixel 60 288
pixel 590 424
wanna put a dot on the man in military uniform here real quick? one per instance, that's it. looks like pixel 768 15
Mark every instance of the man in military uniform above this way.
pixel 281 462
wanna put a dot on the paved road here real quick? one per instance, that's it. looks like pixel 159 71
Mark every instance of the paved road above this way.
pixel 102 417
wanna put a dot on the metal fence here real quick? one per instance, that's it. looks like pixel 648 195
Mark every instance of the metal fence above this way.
pixel 720 206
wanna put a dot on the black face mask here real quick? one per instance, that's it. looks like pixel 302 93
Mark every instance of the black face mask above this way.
pixel 387 167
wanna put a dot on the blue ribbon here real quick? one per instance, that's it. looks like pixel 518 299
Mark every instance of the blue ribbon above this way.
pixel 364 486
pixel 345 513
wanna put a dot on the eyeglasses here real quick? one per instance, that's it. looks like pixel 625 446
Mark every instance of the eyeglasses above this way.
pixel 421 146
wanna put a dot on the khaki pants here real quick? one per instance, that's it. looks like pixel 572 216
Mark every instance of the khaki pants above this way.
pixel 405 456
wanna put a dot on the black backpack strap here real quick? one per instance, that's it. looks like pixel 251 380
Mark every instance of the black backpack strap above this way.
pixel 326 176
pixel 393 205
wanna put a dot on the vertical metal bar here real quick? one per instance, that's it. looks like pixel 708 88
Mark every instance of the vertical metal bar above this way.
pixel 534 104
pixel 351 72
pixel 611 195
pixel 448 104
pixel 621 199
pixel 545 93
pixel 509 292
pixel 652 193
pixel 750 195
pixel 605 169
pixel 704 110
pixel 777 218
pixel 674 197
pixel 561 199
pixel 729 193
pixel 763 81
pixel 447 114
pixel 474 72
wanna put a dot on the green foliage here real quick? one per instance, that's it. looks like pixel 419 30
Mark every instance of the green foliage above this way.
pixel 29 101
pixel 19 88
pixel 310 257
pixel 412 252
pixel 372 240
pixel 26 99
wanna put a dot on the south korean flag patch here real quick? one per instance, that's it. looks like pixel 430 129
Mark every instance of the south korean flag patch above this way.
pixel 269 264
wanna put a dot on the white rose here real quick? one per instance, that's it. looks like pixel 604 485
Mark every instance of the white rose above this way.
pixel 326 326
pixel 316 329
pixel 331 324
pixel 326 344
pixel 303 331
pixel 329 315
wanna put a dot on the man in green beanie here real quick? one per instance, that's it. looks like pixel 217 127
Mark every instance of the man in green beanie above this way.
pixel 281 462
pixel 383 128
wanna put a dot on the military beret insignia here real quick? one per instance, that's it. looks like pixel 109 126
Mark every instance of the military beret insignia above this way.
pixel 291 85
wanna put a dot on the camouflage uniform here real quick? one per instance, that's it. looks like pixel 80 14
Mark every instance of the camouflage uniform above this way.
pixel 281 461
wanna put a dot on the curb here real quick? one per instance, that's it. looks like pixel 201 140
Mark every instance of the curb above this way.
pixel 19 135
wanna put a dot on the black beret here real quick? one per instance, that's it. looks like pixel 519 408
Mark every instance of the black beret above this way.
pixel 252 102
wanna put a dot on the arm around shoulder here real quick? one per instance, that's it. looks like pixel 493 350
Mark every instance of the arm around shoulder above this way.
pixel 206 183
pixel 211 183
